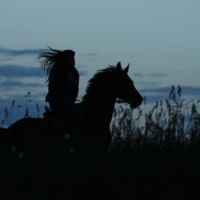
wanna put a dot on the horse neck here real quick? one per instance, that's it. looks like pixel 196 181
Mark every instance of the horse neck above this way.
pixel 101 105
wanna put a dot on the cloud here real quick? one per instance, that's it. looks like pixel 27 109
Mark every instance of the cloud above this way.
pixel 178 71
pixel 11 52
pixel 6 59
pixel 158 75
pixel 154 98
pixel 80 66
pixel 162 93
pixel 190 91
pixel 157 90
pixel 16 71
pixel 186 90
pixel 137 74
pixel 148 83
pixel 151 74
pixel 82 73
pixel 89 54
pixel 10 85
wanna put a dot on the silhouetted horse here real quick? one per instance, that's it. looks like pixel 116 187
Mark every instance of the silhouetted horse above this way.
pixel 91 118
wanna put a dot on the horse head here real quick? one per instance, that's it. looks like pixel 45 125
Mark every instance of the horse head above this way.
pixel 125 89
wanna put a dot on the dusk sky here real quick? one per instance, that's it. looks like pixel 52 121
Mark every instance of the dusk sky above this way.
pixel 160 40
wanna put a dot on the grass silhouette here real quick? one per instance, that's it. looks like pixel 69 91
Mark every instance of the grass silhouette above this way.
pixel 157 161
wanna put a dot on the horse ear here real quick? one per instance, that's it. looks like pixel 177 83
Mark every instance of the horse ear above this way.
pixel 126 69
pixel 118 67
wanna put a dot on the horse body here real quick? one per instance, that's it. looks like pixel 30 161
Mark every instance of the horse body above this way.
pixel 91 118
pixel 94 130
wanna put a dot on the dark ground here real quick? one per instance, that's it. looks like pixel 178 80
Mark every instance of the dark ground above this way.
pixel 53 172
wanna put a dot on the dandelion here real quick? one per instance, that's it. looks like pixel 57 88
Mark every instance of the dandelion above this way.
pixel 67 136
pixel 21 155
pixel 14 149
pixel 72 150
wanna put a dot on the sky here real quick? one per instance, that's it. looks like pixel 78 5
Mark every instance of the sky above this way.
pixel 160 40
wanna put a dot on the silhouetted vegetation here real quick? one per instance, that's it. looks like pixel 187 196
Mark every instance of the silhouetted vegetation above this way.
pixel 160 160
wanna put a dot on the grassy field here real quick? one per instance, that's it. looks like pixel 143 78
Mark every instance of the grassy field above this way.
pixel 158 161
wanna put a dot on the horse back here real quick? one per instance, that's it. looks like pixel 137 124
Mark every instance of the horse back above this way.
pixel 29 125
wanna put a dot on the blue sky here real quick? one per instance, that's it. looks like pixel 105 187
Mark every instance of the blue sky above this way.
pixel 160 40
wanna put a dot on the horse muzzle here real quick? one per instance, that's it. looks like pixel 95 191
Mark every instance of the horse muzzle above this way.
pixel 136 103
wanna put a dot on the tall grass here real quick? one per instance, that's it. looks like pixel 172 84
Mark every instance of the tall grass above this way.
pixel 159 160
pixel 8 116
pixel 165 126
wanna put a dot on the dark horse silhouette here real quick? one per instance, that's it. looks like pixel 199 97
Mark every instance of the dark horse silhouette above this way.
pixel 91 118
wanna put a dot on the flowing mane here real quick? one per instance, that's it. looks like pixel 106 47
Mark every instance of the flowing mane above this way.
pixel 100 80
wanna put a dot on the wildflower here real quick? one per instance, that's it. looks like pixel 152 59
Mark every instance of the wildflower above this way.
pixel 72 150
pixel 14 149
pixel 67 136
pixel 21 155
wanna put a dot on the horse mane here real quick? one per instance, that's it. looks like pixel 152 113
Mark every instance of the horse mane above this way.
pixel 99 80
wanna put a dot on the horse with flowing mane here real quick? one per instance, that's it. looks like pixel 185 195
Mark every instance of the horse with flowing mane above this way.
pixel 91 118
